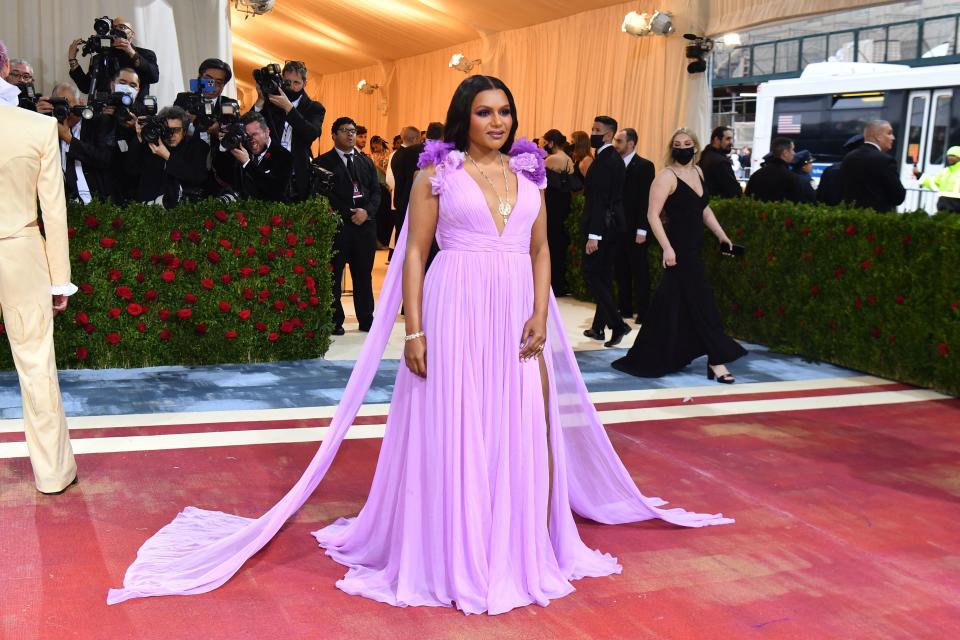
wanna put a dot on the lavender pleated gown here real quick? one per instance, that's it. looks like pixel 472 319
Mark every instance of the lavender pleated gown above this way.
pixel 458 510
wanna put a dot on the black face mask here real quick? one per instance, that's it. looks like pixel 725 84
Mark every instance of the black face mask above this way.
pixel 596 140
pixel 683 155
pixel 292 95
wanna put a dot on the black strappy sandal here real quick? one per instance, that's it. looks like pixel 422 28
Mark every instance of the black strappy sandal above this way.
pixel 726 378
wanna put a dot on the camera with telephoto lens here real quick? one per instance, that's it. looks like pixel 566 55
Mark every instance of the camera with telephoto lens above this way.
pixel 154 130
pixel 321 179
pixel 104 35
pixel 121 103
pixel 146 107
pixel 28 96
pixel 62 109
pixel 235 136
pixel 269 79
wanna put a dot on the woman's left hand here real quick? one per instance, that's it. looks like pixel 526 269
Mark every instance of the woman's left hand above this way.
pixel 533 338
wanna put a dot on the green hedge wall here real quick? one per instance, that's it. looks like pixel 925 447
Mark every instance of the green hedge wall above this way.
pixel 873 292
pixel 203 283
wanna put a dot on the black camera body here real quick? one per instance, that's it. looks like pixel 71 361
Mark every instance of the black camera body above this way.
pixel 62 110
pixel 28 96
pixel 208 113
pixel 103 37
pixel 154 130
pixel 235 136
pixel 321 179
pixel 147 107
pixel 269 79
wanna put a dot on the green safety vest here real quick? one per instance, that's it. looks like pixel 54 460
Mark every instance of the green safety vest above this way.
pixel 946 182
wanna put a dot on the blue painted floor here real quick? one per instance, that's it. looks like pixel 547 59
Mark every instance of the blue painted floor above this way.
pixel 310 383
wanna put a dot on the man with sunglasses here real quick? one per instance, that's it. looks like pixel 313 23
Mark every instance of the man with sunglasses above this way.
pixel 172 169
pixel 296 121
pixel 141 60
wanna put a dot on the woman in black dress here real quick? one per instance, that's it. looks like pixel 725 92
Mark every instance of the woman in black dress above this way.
pixel 683 322
pixel 561 183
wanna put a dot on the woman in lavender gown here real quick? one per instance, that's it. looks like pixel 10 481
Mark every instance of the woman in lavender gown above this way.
pixel 491 441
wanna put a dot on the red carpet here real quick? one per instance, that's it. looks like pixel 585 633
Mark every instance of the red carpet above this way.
pixel 847 527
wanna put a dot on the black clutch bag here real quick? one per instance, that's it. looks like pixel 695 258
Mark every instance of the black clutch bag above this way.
pixel 732 250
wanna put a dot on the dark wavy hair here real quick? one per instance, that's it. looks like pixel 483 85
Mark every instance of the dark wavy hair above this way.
pixel 457 127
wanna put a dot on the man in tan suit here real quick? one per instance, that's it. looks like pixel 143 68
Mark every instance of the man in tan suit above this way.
pixel 31 270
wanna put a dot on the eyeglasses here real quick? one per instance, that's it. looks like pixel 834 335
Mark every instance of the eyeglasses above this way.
pixel 174 130
pixel 348 131
pixel 216 81
pixel 123 27
pixel 21 75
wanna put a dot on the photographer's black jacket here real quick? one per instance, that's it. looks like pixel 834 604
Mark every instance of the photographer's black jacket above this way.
pixel 268 179
pixel 306 122
pixel 603 188
pixel 184 172
pixel 148 72
pixel 94 149
pixel 341 196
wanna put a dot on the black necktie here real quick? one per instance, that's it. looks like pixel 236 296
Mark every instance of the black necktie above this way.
pixel 350 168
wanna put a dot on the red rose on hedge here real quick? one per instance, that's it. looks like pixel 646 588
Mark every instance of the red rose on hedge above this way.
pixel 150 295
pixel 141 277
pixel 200 328
pixel 183 314
pixel 86 288
pixel 213 256
pixel 308 241
pixel 82 317
pixel 878 250
pixel 123 292
pixel 209 224
pixel 226 278
pixel 163 314
pixel 91 222
pixel 759 313
pixel 263 295
pixel 165 334
pixel 114 313
pixel 244 314
pixel 251 251
pixel 281 280
pixel 900 299
pixel 857 304
pixel 805 231
pixel 237 252
pixel 286 326
pixel 134 309
pixel 265 230
pixel 190 298
pixel 289 253
pixel 851 230
pixel 276 220
pixel 907 240
pixel 838 272
pixel 176 235
pixel 89 328
pixel 278 305
pixel 113 275
pixel 866 264
pixel 291 239
pixel 875 332
pixel 193 236
pixel 225 306
pixel 943 349
pixel 107 242
pixel 309 334
pixel 168 276
pixel 71 233
pixel 298 268
pixel 207 283
pixel 273 337
pixel 189 265
pixel 230 335
pixel 220 215
pixel 263 270
pixel 314 301
pixel 112 338
pixel 226 244
pixel 271 255
pixel 260 326
pixel 248 293
pixel 142 327
pixel 85 256
pixel 246 272
pixel 815 290
pixel 82 353
pixel 303 306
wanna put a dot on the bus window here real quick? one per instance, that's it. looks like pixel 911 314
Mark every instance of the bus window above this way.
pixel 858 101
pixel 941 125
pixel 915 128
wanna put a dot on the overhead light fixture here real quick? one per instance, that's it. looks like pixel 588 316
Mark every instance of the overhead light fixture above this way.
pixel 732 40
pixel 459 62
pixel 254 7
pixel 643 24
pixel 365 88
pixel 697 52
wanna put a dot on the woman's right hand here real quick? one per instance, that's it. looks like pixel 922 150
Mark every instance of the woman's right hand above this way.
pixel 669 258
pixel 415 355
pixel 74 46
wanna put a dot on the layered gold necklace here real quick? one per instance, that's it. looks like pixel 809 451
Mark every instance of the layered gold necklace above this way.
pixel 505 207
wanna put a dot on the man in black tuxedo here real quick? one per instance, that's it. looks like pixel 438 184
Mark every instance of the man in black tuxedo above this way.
pixel 716 166
pixel 214 74
pixel 869 173
pixel 632 269
pixel 174 168
pixel 356 197
pixel 774 181
pixel 403 166
pixel 141 60
pixel 296 121
pixel 86 149
pixel 602 222
pixel 261 167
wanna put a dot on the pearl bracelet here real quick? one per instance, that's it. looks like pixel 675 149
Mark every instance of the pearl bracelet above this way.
pixel 414 336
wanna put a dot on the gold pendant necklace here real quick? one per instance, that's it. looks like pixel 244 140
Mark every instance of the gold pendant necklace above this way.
pixel 505 207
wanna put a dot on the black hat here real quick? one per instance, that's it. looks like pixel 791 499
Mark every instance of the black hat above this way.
pixel 854 142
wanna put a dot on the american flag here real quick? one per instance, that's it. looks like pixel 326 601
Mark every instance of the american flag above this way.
pixel 788 124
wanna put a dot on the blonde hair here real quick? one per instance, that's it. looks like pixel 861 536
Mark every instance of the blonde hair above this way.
pixel 668 159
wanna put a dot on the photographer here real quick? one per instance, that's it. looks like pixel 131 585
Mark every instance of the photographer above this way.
pixel 260 166
pixel 172 166
pixel 86 146
pixel 21 72
pixel 294 118
pixel 205 105
pixel 123 167
pixel 122 53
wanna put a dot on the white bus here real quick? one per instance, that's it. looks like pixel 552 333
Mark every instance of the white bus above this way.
pixel 831 101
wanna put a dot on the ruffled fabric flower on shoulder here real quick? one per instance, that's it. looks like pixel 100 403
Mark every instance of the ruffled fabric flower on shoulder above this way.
pixel 444 157
pixel 526 159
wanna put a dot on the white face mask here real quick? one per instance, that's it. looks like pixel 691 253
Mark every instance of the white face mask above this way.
pixel 127 89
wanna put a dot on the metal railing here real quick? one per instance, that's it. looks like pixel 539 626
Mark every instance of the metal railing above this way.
pixel 925 41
